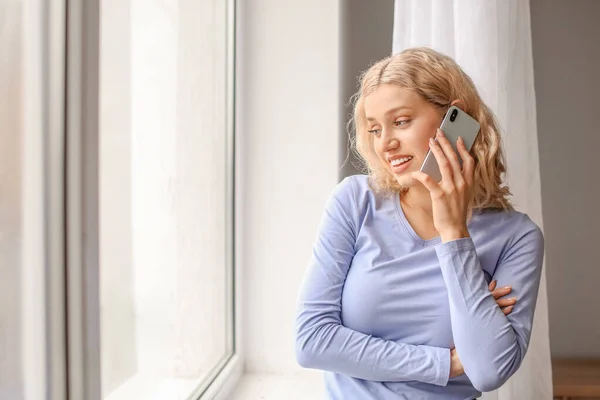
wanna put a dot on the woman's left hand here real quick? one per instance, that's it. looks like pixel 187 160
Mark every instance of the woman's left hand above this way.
pixel 451 197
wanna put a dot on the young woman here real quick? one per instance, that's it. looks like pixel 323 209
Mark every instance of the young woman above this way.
pixel 399 299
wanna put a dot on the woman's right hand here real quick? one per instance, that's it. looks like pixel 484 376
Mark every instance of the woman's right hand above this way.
pixel 506 305
pixel 456 367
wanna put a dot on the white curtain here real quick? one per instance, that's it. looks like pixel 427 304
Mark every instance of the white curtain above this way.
pixel 491 40
pixel 11 211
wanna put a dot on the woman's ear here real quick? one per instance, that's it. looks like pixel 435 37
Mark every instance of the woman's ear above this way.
pixel 458 103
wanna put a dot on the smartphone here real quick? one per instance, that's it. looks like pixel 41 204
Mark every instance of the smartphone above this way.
pixel 456 123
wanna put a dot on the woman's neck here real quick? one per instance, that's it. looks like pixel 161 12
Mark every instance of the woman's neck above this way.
pixel 418 198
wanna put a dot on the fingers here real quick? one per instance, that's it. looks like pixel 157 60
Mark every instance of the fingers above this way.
pixel 468 161
pixel 451 156
pixel 506 302
pixel 506 305
pixel 429 183
pixel 503 291
pixel 442 161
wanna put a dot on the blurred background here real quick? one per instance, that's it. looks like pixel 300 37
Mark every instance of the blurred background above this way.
pixel 164 165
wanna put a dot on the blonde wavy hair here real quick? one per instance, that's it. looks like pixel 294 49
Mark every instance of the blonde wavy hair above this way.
pixel 439 80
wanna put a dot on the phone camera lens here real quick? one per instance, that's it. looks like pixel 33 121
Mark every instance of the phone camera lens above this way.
pixel 453 115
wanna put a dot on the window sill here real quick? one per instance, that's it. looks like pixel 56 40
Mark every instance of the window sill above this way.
pixel 294 386
pixel 143 386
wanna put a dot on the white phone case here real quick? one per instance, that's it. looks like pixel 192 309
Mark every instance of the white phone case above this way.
pixel 462 124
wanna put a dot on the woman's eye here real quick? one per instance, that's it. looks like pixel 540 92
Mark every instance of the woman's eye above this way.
pixel 402 122
pixel 374 131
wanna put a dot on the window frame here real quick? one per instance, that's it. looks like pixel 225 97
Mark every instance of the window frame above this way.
pixel 44 348
pixel 81 208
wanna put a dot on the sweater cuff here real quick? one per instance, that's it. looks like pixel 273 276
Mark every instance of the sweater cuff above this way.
pixel 455 246
pixel 442 373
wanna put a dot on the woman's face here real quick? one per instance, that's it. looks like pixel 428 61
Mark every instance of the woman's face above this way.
pixel 401 123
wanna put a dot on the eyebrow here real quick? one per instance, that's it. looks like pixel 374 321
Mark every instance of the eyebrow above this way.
pixel 391 111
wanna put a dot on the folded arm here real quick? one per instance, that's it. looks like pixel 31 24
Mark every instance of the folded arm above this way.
pixel 322 342
pixel 491 345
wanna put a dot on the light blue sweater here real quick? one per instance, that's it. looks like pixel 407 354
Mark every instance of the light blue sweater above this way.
pixel 380 308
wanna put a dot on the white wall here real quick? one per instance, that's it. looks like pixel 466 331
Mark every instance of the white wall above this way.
pixel 566 58
pixel 288 88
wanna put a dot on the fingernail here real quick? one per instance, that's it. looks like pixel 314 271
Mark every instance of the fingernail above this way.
pixel 431 142
pixel 513 299
pixel 509 308
pixel 440 133
pixel 460 140
pixel 506 287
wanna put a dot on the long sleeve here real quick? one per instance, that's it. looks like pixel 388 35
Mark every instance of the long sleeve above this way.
pixel 322 342
pixel 491 345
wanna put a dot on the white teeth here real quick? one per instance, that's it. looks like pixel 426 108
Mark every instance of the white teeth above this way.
pixel 399 161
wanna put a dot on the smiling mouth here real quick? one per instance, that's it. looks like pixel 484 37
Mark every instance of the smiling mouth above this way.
pixel 400 161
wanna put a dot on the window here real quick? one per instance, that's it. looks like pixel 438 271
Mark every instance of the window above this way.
pixel 166 187
pixel 116 237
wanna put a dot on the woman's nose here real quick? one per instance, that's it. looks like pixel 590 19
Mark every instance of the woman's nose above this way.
pixel 389 141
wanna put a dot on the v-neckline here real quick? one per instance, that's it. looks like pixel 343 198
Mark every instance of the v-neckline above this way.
pixel 408 227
